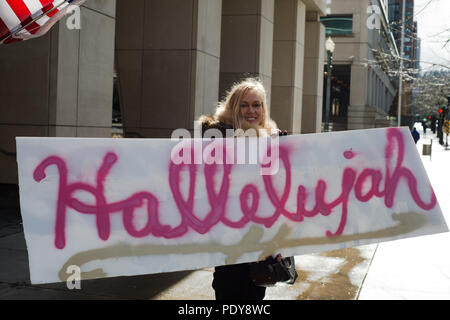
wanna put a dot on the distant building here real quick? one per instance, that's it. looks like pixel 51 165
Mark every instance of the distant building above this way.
pixel 411 53
pixel 412 42
pixel 363 88
pixel 417 54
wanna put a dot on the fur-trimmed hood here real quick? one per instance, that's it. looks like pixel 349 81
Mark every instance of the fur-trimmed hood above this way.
pixel 223 120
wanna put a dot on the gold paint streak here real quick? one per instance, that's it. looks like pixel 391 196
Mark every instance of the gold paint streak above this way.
pixel 407 222
pixel 337 286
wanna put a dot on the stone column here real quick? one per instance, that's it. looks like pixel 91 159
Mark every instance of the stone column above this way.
pixel 313 74
pixel 59 85
pixel 247 42
pixel 360 115
pixel 82 82
pixel 168 54
pixel 287 71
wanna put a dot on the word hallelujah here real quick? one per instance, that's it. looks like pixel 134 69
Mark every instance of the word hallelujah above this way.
pixel 249 196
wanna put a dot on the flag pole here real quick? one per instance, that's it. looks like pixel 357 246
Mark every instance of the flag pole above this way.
pixel 400 85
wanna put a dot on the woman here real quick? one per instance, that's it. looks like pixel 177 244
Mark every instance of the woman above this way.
pixel 244 108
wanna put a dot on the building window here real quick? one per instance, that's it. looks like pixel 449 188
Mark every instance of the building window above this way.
pixel 337 25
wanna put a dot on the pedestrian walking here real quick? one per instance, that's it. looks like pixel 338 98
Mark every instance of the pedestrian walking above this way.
pixel 245 108
pixel 424 126
pixel 415 134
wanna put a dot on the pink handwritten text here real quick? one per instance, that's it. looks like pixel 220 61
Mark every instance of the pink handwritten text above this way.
pixel 249 197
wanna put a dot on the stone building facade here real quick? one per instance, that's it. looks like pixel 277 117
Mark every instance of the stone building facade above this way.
pixel 170 61
pixel 363 88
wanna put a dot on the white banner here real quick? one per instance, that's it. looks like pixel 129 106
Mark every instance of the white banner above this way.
pixel 116 207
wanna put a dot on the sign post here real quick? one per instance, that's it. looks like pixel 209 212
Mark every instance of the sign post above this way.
pixel 447 129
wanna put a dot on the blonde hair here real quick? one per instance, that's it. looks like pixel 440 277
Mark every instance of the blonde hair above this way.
pixel 233 99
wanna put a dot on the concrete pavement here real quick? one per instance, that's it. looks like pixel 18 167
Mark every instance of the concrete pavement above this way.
pixel 416 268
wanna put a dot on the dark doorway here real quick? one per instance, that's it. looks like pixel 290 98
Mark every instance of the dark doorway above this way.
pixel 340 96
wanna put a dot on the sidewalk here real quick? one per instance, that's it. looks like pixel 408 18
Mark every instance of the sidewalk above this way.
pixel 416 268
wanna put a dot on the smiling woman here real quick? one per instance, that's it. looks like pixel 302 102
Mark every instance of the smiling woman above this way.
pixel 250 107
pixel 244 108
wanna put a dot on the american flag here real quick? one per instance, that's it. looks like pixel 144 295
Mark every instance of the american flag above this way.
pixel 26 19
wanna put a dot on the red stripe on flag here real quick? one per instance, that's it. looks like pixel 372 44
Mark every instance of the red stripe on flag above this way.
pixel 51 14
pixel 46 2
pixel 47 8
pixel 4 31
pixel 20 9
pixel 33 28
pixel 11 40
